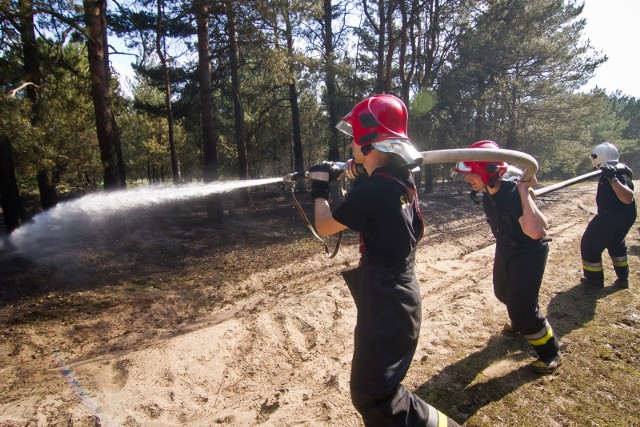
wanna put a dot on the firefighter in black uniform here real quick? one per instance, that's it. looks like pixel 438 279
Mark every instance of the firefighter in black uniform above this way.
pixel 520 254
pixel 616 215
pixel 384 209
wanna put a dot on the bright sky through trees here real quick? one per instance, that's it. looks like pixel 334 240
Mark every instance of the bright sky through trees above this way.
pixel 612 27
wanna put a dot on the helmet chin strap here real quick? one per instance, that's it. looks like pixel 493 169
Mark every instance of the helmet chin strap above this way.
pixel 489 187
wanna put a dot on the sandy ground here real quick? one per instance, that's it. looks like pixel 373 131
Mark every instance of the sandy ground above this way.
pixel 173 321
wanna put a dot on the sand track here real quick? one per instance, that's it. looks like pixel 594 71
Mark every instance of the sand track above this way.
pixel 260 332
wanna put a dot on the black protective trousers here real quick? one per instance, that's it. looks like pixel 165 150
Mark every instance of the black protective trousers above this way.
pixel 385 340
pixel 517 277
pixel 607 231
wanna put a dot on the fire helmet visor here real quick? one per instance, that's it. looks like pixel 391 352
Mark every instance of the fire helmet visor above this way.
pixel 460 171
pixel 345 127
pixel 402 148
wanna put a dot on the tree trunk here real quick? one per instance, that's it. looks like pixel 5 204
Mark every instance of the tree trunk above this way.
pixel 298 159
pixel 46 185
pixel 95 12
pixel 241 142
pixel 175 167
pixel 214 203
pixel 33 74
pixel 32 71
pixel 391 45
pixel 380 67
pixel 12 209
pixel 330 82
pixel 428 179
pixel 514 117
pixel 406 70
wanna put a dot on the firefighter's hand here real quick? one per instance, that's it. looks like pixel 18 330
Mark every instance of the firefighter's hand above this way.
pixel 320 174
pixel 324 171
pixel 528 184
pixel 353 169
pixel 609 171
pixel 526 187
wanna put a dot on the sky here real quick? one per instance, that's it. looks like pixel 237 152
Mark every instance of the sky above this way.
pixel 613 27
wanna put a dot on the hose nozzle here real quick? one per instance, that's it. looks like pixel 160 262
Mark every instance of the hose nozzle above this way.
pixel 338 168
pixel 293 177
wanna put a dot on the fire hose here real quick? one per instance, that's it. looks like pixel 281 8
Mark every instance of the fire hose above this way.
pixel 340 168
pixel 513 157
pixel 529 164
pixel 518 158
pixel 510 156
pixel 568 182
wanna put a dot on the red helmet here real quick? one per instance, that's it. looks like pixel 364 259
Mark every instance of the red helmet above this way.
pixel 489 172
pixel 377 118
pixel 381 121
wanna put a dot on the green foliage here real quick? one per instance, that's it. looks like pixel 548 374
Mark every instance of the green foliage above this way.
pixel 517 55
pixel 64 140
pixel 507 70
pixel 627 110
pixel 16 128
pixel 144 135
pixel 70 134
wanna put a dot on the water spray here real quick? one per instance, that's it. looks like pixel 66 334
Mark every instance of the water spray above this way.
pixel 80 215
pixel 74 216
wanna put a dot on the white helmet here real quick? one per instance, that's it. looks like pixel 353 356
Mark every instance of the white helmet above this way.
pixel 604 153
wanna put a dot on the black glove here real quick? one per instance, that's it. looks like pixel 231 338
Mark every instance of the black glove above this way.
pixel 320 175
pixel 319 189
pixel 609 171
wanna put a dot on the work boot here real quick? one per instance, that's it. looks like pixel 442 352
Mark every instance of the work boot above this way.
pixel 591 282
pixel 546 366
pixel 622 283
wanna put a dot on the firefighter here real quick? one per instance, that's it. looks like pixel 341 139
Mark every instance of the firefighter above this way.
pixel 384 209
pixel 616 214
pixel 520 253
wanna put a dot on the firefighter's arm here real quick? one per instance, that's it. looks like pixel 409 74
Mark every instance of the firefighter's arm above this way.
pixel 320 176
pixel 324 222
pixel 534 224
pixel 624 193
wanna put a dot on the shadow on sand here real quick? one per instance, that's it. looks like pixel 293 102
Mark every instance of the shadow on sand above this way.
pixel 490 374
